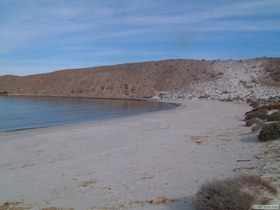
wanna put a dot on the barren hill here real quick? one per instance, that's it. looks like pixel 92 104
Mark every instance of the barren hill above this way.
pixel 177 78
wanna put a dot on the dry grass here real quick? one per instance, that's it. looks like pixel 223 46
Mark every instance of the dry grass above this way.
pixel 159 200
pixel 199 139
pixel 257 127
pixel 15 205
pixel 266 107
pixel 258 183
pixel 237 193
pixel 89 182
pixel 54 208
pixel 20 205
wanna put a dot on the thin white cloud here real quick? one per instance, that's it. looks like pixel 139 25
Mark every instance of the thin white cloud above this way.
pixel 233 10
pixel 48 19
pixel 80 26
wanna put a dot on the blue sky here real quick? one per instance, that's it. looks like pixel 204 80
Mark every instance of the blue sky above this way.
pixel 45 35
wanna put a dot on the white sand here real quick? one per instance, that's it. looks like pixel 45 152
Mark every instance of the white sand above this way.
pixel 123 163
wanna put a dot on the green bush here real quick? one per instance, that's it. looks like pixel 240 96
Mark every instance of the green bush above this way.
pixel 256 114
pixel 275 116
pixel 236 193
pixel 270 131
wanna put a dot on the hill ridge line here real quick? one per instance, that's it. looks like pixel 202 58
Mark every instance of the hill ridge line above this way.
pixel 173 78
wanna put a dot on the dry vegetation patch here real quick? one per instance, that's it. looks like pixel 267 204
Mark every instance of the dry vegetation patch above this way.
pixel 21 205
pixel 89 182
pixel 266 107
pixel 159 200
pixel 236 193
pixel 15 205
pixel 254 121
pixel 199 139
pixel 54 208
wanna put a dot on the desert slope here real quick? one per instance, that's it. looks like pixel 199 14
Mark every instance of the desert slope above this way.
pixel 180 78
pixel 237 80
pixel 126 80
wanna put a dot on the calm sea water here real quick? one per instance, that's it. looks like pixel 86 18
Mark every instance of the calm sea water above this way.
pixel 19 113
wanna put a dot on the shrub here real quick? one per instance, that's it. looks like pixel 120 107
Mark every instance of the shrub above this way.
pixel 218 195
pixel 270 132
pixel 254 121
pixel 271 106
pixel 5 93
pixel 266 107
pixel 275 116
pixel 238 193
pixel 258 182
pixel 255 104
pixel 256 114
pixel 257 127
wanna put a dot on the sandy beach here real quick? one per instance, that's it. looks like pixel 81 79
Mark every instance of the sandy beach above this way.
pixel 150 161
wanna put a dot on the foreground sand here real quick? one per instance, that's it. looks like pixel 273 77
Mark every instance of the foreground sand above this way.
pixel 128 162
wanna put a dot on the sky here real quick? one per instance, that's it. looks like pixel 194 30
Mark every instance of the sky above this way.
pixel 38 36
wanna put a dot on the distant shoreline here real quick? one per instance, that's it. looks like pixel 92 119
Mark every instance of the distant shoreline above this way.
pixel 83 97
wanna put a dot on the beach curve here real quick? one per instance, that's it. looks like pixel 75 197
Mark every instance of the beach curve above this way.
pixel 127 163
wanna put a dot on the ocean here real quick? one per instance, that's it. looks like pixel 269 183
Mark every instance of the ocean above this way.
pixel 26 112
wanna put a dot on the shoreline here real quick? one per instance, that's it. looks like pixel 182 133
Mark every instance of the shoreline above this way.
pixel 127 162
pixel 81 97
pixel 168 106
pixel 177 106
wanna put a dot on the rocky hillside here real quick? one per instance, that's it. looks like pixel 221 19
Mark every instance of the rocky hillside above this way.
pixel 170 78
pixel 237 80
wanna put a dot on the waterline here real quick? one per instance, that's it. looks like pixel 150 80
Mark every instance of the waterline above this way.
pixel 26 112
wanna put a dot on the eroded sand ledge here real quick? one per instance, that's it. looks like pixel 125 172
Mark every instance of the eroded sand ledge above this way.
pixel 125 163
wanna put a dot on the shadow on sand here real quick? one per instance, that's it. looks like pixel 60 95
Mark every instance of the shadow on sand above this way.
pixel 180 204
